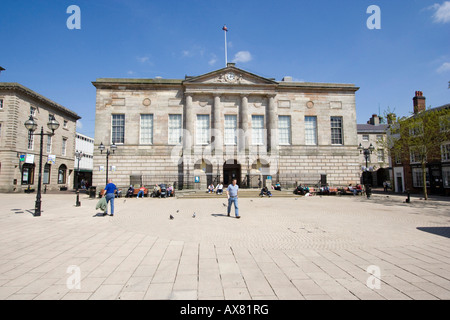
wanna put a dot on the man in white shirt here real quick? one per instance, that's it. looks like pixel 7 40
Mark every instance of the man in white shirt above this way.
pixel 232 193
pixel 219 188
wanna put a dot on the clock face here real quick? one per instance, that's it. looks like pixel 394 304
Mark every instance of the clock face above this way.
pixel 230 76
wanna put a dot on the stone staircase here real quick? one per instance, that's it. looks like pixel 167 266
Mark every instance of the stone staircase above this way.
pixel 243 193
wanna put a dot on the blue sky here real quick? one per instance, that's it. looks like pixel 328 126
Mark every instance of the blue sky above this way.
pixel 314 41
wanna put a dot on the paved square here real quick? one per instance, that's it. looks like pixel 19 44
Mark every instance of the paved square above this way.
pixel 281 248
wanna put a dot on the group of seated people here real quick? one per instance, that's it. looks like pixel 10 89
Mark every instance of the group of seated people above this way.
pixel 142 191
pixel 218 189
pixel 301 190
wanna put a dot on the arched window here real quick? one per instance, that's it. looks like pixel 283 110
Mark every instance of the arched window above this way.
pixel 46 177
pixel 62 173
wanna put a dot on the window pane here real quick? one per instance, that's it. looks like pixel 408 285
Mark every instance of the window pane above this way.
pixel 284 130
pixel 146 128
pixel 336 130
pixel 446 176
pixel 30 141
pixel 445 151
pixel 175 128
pixel 230 130
pixel 202 132
pixel 118 128
pixel 311 131
pixel 49 144
pixel 46 178
pixel 257 130
pixel 64 146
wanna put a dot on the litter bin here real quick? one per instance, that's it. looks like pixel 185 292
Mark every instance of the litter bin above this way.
pixel 92 192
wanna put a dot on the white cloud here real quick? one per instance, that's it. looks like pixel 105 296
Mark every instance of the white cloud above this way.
pixel 243 57
pixel 143 59
pixel 445 67
pixel 213 60
pixel 442 12
pixel 131 72
pixel 79 125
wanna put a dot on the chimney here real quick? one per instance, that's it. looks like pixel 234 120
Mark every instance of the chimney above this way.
pixel 375 120
pixel 419 102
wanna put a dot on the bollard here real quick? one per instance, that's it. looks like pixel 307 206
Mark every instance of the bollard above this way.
pixel 408 199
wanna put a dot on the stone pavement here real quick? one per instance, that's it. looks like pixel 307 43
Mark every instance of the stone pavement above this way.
pixel 287 248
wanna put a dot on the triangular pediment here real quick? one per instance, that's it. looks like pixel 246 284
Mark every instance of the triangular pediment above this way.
pixel 230 76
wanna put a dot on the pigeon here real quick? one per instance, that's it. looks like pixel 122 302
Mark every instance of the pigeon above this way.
pixel 193 216
pixel 224 204
pixel 178 211
pixel 171 217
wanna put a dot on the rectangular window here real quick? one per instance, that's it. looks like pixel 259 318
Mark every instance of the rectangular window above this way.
pixel 415 154
pixel 416 129
pixel 365 137
pixel 175 128
pixel 444 123
pixel 202 129
pixel 46 177
pixel 1 104
pixel 380 155
pixel 32 111
pixel 446 176
pixel 336 131
pixel 398 158
pixel 380 138
pixel 258 130
pixel 65 123
pixel 417 176
pixel 30 141
pixel 445 152
pixel 311 131
pixel 284 130
pixel 118 128
pixel 146 128
pixel 230 137
pixel 64 146
pixel 49 144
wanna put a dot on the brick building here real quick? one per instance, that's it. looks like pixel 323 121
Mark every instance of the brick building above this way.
pixel 226 124
pixel 407 168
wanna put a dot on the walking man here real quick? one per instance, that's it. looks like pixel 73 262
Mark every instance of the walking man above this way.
pixel 232 193
pixel 109 195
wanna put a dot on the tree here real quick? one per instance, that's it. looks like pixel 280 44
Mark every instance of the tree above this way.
pixel 419 137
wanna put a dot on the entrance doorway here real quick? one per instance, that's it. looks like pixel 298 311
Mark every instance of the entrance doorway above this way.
pixel 231 170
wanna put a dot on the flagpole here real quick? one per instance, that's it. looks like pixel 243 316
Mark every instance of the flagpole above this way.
pixel 225 30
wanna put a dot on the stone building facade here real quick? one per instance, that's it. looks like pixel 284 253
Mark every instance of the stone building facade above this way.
pixel 19 152
pixel 226 124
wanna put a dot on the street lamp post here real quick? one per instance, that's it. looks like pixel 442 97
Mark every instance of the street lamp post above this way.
pixel 79 155
pixel 367 152
pixel 31 125
pixel 108 153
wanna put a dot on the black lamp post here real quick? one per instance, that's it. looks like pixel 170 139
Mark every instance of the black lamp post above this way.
pixel 79 155
pixel 367 152
pixel 108 153
pixel 31 125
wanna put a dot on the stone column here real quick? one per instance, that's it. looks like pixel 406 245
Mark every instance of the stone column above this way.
pixel 190 123
pixel 272 124
pixel 217 126
pixel 243 121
